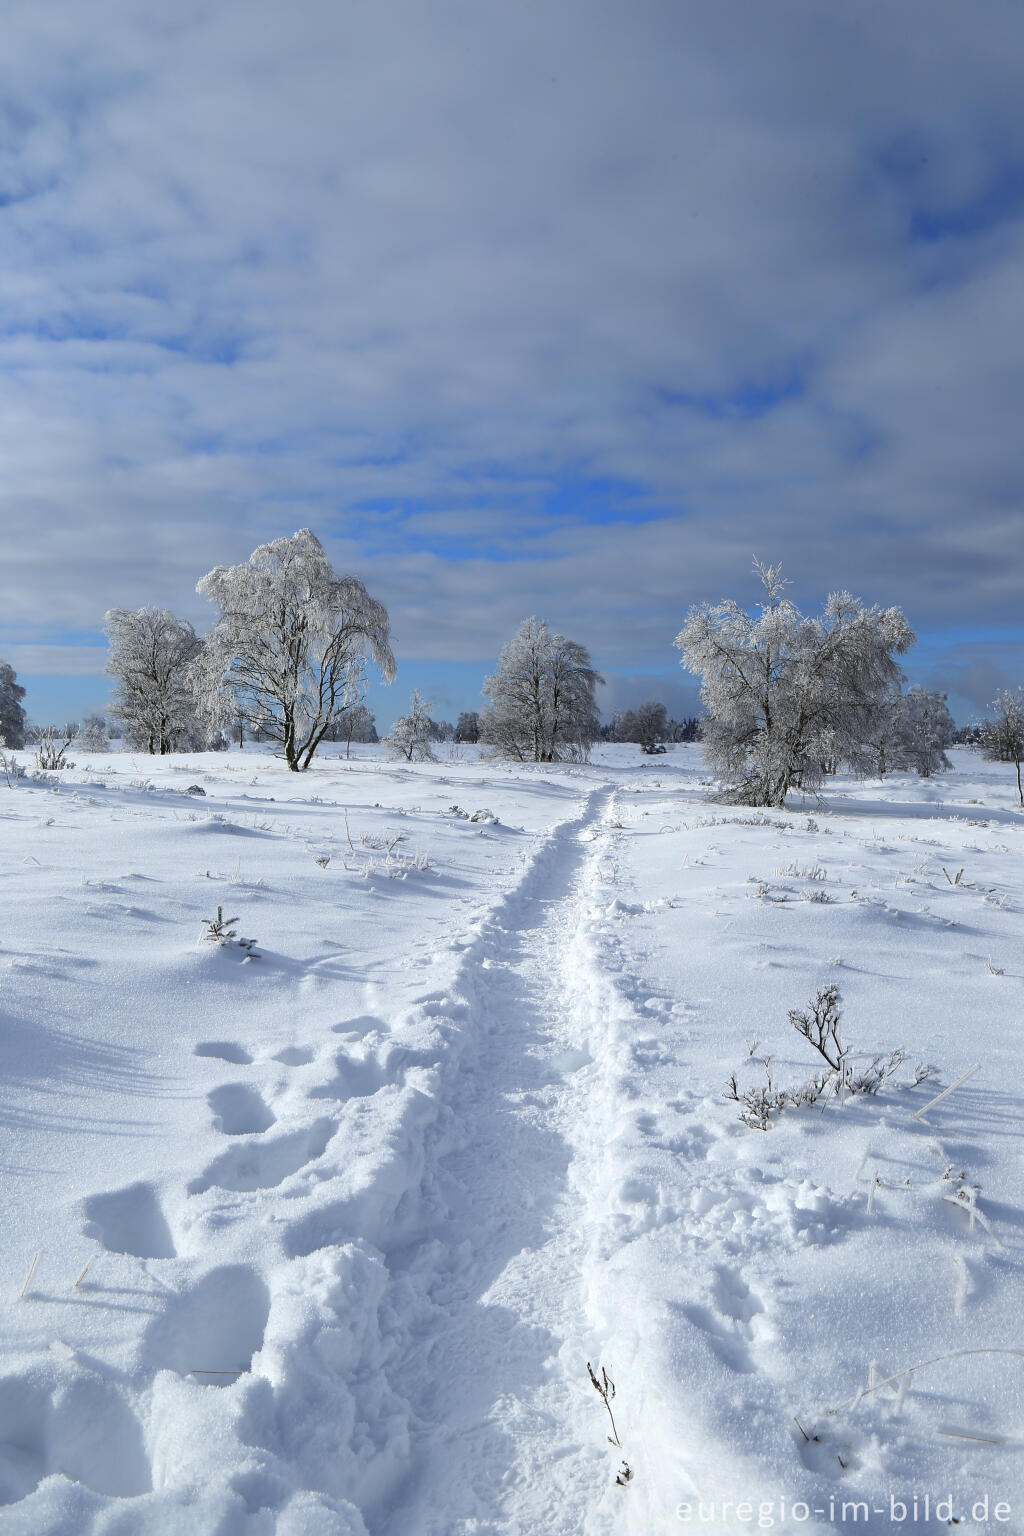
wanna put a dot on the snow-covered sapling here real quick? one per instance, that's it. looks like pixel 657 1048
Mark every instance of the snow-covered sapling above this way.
pixel 819 1025
pixel 222 930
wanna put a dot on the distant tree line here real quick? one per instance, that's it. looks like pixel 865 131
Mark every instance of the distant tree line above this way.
pixel 649 727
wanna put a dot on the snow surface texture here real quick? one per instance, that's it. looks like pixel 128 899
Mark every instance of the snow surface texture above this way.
pixel 326 1238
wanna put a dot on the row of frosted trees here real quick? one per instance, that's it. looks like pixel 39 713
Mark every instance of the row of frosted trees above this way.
pixel 788 698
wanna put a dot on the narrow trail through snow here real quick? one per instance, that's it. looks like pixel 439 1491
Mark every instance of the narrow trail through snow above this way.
pixel 494 1270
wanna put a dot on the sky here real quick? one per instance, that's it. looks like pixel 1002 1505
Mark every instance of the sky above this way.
pixel 565 308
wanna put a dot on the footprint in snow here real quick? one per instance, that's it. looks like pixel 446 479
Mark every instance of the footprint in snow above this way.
pixel 295 1055
pixel 361 1025
pixel 130 1220
pixel 355 1077
pixel 727 1322
pixel 265 1164
pixel 224 1050
pixel 213 1329
pixel 239 1110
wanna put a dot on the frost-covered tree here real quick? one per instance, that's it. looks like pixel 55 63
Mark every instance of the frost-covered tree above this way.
pixel 647 726
pixel 355 723
pixel 288 634
pixel 623 726
pixel 467 727
pixel 92 734
pixel 912 731
pixel 151 657
pixel 12 716
pixel 411 735
pixel 542 706
pixel 1002 739
pixel 787 695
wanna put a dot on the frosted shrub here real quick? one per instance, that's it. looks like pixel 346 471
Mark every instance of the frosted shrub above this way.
pixel 53 746
pixel 819 1025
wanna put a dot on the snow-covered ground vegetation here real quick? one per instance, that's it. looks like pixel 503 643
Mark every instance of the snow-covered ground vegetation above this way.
pixel 357 1125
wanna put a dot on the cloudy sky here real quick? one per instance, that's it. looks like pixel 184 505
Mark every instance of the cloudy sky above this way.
pixel 565 308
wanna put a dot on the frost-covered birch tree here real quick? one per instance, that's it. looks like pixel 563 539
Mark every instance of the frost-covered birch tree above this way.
pixel 542 705
pixel 287 636
pixel 151 656
pixel 788 696
pixel 12 716
pixel 1002 739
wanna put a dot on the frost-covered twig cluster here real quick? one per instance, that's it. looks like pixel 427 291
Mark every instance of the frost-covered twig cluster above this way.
pixel 841 1079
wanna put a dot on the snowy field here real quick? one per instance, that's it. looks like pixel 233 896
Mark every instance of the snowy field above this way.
pixel 325 1235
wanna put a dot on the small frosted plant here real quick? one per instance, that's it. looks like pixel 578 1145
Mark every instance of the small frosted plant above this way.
pixel 223 931
pixel 605 1389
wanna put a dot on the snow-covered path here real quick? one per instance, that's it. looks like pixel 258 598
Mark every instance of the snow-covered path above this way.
pixel 494 1266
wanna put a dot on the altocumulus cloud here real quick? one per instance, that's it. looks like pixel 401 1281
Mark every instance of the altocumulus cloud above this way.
pixel 563 309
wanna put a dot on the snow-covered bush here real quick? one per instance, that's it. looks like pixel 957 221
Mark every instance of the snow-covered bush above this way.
pixel 12 716
pixel 542 706
pixel 819 1025
pixel 1002 739
pixel 789 697
pixel 287 637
